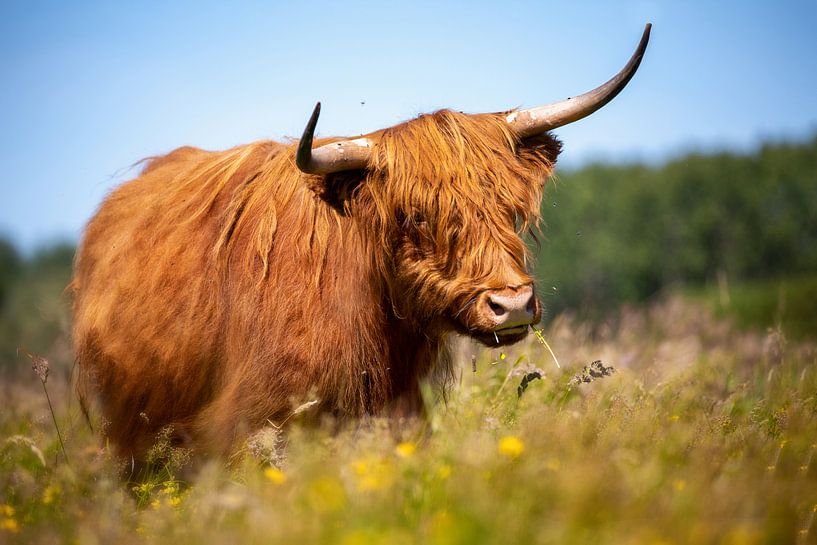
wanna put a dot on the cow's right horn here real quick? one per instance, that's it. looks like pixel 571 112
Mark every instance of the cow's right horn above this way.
pixel 543 118
pixel 334 157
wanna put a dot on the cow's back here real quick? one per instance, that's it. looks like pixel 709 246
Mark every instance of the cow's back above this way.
pixel 148 312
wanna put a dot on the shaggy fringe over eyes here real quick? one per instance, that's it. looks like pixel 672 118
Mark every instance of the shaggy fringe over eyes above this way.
pixel 474 187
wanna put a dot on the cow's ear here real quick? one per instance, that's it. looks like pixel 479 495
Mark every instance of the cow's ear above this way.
pixel 338 188
pixel 535 148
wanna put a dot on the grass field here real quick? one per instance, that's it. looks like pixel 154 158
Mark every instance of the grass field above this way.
pixel 703 434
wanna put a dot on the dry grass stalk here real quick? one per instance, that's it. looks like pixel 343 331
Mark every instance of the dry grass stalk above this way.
pixel 41 369
pixel 541 338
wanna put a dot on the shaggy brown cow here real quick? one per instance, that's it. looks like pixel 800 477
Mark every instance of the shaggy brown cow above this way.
pixel 220 289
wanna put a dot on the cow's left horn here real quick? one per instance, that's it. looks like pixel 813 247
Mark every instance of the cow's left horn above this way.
pixel 543 118
pixel 334 157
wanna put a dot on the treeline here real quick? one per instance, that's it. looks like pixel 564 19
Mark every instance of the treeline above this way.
pixel 624 233
pixel 33 305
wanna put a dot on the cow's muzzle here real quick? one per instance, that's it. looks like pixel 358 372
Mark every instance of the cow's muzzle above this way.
pixel 510 310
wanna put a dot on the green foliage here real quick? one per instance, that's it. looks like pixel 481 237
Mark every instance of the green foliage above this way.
pixel 34 309
pixel 623 233
pixel 787 304
pixel 10 264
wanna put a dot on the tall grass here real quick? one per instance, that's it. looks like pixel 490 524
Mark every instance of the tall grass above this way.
pixel 703 434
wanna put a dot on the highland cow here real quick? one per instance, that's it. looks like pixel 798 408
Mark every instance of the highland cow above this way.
pixel 218 290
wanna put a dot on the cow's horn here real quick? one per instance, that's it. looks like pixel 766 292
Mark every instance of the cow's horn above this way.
pixel 543 118
pixel 334 157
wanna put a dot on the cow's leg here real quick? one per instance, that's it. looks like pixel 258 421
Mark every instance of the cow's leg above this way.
pixel 408 405
pixel 238 412
pixel 408 414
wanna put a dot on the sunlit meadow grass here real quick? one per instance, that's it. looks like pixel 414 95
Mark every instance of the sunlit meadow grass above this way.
pixel 703 434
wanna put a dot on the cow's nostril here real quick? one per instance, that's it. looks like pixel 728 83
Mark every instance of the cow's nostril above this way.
pixel 531 306
pixel 498 309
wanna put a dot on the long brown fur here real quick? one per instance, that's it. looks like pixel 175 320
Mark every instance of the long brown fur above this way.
pixel 218 290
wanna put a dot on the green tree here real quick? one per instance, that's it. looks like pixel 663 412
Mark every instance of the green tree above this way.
pixel 624 233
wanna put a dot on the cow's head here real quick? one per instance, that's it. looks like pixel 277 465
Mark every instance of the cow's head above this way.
pixel 446 199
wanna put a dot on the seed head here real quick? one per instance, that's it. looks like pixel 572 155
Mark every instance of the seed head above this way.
pixel 40 366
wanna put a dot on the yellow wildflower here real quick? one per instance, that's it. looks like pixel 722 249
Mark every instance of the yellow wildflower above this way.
pixel 275 475
pixel 6 510
pixel 679 484
pixel 405 449
pixel 171 488
pixel 444 472
pixel 360 467
pixel 9 525
pixel 511 446
pixel 50 493
pixel 144 488
pixel 326 494
pixel 373 473
pixel 742 535
pixel 155 504
pixel 444 528
pixel 358 537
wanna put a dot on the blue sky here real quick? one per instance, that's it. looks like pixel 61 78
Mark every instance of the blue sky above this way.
pixel 88 89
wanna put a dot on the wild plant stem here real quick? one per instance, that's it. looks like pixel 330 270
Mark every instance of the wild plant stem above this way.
pixel 542 340
pixel 54 418
pixel 505 382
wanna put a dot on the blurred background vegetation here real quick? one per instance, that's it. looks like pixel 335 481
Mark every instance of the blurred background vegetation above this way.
pixel 739 230
pixel 736 230
pixel 34 306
